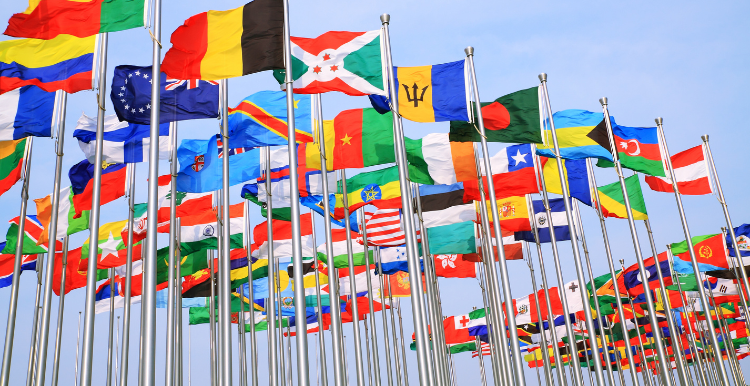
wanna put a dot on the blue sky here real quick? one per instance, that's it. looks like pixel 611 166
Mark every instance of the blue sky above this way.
pixel 684 61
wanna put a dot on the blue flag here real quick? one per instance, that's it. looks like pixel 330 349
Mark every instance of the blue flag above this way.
pixel 559 222
pixel 26 111
pixel 200 165
pixel 179 99
pixel 261 120
pixel 743 240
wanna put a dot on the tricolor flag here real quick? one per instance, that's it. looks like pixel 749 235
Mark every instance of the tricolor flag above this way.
pixel 691 171
pixel 446 162
pixel 434 93
pixel 67 223
pixel 360 279
pixel 638 149
pixel 122 142
pixel 8 261
pixel 200 231
pixel 12 154
pixel 559 222
pixel 340 252
pixel 114 177
pixel 513 213
pixel 448 221
pixel 394 260
pixel 512 172
pixel 26 111
pixel 106 292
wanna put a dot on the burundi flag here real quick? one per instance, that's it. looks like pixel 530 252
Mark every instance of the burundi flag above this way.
pixel 261 120
pixel 67 223
pixel 12 154
pixel 580 134
pixel 26 111
pixel 613 203
pixel 435 93
pixel 349 62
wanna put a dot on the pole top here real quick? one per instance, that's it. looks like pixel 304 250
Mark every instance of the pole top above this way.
pixel 704 138
pixel 469 51
pixel 385 18
pixel 543 77
pixel 603 101
pixel 659 120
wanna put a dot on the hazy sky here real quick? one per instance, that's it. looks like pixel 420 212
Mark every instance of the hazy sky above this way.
pixel 684 61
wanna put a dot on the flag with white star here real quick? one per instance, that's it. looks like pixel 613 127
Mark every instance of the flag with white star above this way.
pixel 180 99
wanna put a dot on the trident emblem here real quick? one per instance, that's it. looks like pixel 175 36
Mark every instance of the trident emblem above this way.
pixel 414 98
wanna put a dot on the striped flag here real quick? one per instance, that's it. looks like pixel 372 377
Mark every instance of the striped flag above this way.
pixel 485 350
pixel 384 228
pixel 7 262
pixel 691 171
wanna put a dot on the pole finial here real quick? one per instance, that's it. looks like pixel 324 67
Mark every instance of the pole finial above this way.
pixel 385 18
pixel 659 120
pixel 543 77
pixel 469 51
pixel 603 101
pixel 704 138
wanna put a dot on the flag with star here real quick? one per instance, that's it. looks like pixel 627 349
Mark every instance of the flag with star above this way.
pixel 179 100
pixel 261 120
pixel 112 250
pixel 349 62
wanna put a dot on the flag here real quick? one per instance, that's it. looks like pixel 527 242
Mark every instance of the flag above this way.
pixel 638 149
pixel 12 154
pixel 580 134
pixel 62 63
pixel 513 249
pixel 179 99
pixel 32 233
pixel 106 292
pixel 380 188
pixel 123 142
pixel 576 178
pixel 512 172
pixel 513 213
pixel 349 62
pixel 457 332
pixel 631 282
pixel 224 44
pixel 340 254
pixel 709 250
pixel 393 260
pixel 355 138
pixel 613 202
pixel 559 222
pixel 512 118
pixel 384 228
pixel 7 262
pixel 26 111
pixel 67 223
pixel 260 120
pixel 282 238
pixel 435 93
pixel 691 171
pixel 162 299
pixel 73 277
pixel 113 250
pixel 199 231
pixel 186 203
pixel 446 162
pixel 46 19
pixel 114 177
pixel 360 279
pixel 454 266
pixel 742 233
pixel 397 285
pixel 200 166
pixel 449 223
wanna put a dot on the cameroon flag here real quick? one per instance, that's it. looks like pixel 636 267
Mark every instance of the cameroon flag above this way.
pixel 11 161
pixel 224 44
pixel 380 188
pixel 613 203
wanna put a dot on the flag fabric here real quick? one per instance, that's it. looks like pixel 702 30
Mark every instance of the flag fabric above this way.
pixel 179 99
pixel 114 177
pixel 67 223
pixel 199 231
pixel 282 238
pixel 200 166
pixel 360 279
pixel 512 172
pixel 26 111
pixel 448 221
pixel 393 260
pixel 742 233
pixel 46 19
pixel 576 178
pixel 113 250
pixel 613 202
pixel 224 44
pixel 512 118
pixel 384 228
pixel 340 254
pixel 162 299
pixel 709 250
pixel 73 277
pixel 513 248
pixel 261 120
pixel 580 134
pixel 62 63
pixel 7 261
pixel 691 171
pixel 106 292
pixel 446 162
pixel 454 266
pixel 32 233
pixel 513 213
pixel 559 222
pixel 435 93
pixel 348 62
pixel 638 149
pixel 380 188
pixel 355 138
pixel 398 285
pixel 123 142
pixel 186 203
pixel 12 154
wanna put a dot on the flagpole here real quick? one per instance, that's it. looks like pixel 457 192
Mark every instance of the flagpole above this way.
pixel 35 323
pixel 495 348
pixel 117 338
pixel 240 336
pixel 251 295
pixel 481 362
pixel 123 381
pixel 396 358
pixel 724 331
pixel 323 378
pixel 178 305
pixel 110 339
pixel 212 323
pixel 386 339
pixel 339 369
pixel 642 353
pixel 426 374
pixel 78 346
pixel 171 294
pixel 367 351
pixel 273 348
pixel 60 315
pixel 540 322
pixel 370 319
pixel 403 350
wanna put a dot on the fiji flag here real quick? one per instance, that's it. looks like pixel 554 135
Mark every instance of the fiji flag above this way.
pixel 179 99
pixel 26 111
pixel 261 120
pixel 200 165
pixel 559 222
pixel 6 266
pixel 123 142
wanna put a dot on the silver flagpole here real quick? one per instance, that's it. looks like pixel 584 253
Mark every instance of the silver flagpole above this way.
pixel 35 323
pixel 540 322
pixel 111 340
pixel 396 359
pixel 576 253
pixel 516 361
pixel 663 364
pixel 352 286
pixel 289 356
pixel 172 260
pixel 370 319
pixel 642 353
pixel 225 320
pixel 323 369
pixel 403 350
pixel 481 362
pixel 13 304
pixel 240 335
pixel 60 314
pixel 212 323
pixel 303 367
pixel 727 338
pixel 426 374
pixel 178 305
pixel 251 296
pixel 339 369
pixel 494 347
pixel 52 235
pixel 386 339
pixel 124 360
pixel 367 351
pixel 273 348
pixel 78 347
pixel 190 351
pixel 117 338
pixel 87 351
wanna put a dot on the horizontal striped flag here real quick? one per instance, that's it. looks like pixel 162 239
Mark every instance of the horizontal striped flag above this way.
pixel 691 171
pixel 384 228
pixel 7 262
pixel 12 154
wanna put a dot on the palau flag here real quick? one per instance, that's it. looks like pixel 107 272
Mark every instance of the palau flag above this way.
pixel 580 134
pixel 261 120
pixel 434 93
pixel 63 63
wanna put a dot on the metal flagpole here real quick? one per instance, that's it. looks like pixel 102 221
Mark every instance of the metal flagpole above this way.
pixel 35 323
pixel 240 335
pixel 612 272
pixel 251 296
pixel 569 215
pixel 52 235
pixel 426 374
pixel 273 343
pixel 178 304
pixel 289 356
pixel 540 322
pixel 367 351
pixel 403 350
pixel 642 353
pixel 323 369
pixel 173 258
pixel 117 338
pixel 110 339
pixel 396 359
pixel 190 351
pixel 370 319
pixel 128 280
pixel 60 314
pixel 225 329
pixel 78 347
pixel 212 316
pixel 339 369
pixel 516 361
pixel 728 344
pixel 353 286
pixel 386 339
pixel 13 304
pixel 494 354
pixel 481 362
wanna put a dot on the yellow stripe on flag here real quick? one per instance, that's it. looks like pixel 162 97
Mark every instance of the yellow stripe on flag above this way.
pixel 312 150
pixel 415 104
pixel 36 53
pixel 509 208
pixel 619 209
pixel 223 49
pixel 388 191
pixel 570 137
pixel 9 147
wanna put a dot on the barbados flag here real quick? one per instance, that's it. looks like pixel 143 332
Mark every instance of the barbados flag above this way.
pixel 261 120
pixel 580 134
pixel 63 63
pixel 434 93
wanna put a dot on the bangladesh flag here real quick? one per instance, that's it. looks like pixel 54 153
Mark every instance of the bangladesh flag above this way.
pixel 11 161
pixel 613 202
pixel 709 249
pixel 513 118
pixel 348 62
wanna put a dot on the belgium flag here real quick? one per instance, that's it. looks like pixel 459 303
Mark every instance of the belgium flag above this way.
pixel 224 44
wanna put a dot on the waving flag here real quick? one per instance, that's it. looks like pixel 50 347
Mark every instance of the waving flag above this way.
pixel 580 134
pixel 576 178
pixel 32 233
pixel 123 142
pixel 73 277
pixel 691 171
pixel 67 223
pixel 12 154
pixel 111 251
pixel 448 221
pixel 446 162
pixel 638 149
pixel 512 172
pixel 82 182
pixel 7 263
pixel 26 111
pixel 613 201
pixel 384 228
pixel 435 93
pixel 340 254
pixel 200 166
pixel 559 222
pixel 260 120
pixel 282 238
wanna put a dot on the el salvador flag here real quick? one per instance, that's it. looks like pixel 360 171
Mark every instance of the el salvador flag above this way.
pixel 123 142
pixel 559 222
pixel 26 111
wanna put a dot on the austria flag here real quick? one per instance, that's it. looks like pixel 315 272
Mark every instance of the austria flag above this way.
pixel 691 172
pixel 114 177
pixel 512 172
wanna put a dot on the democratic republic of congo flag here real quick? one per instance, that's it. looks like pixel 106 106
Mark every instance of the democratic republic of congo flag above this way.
pixel 260 120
